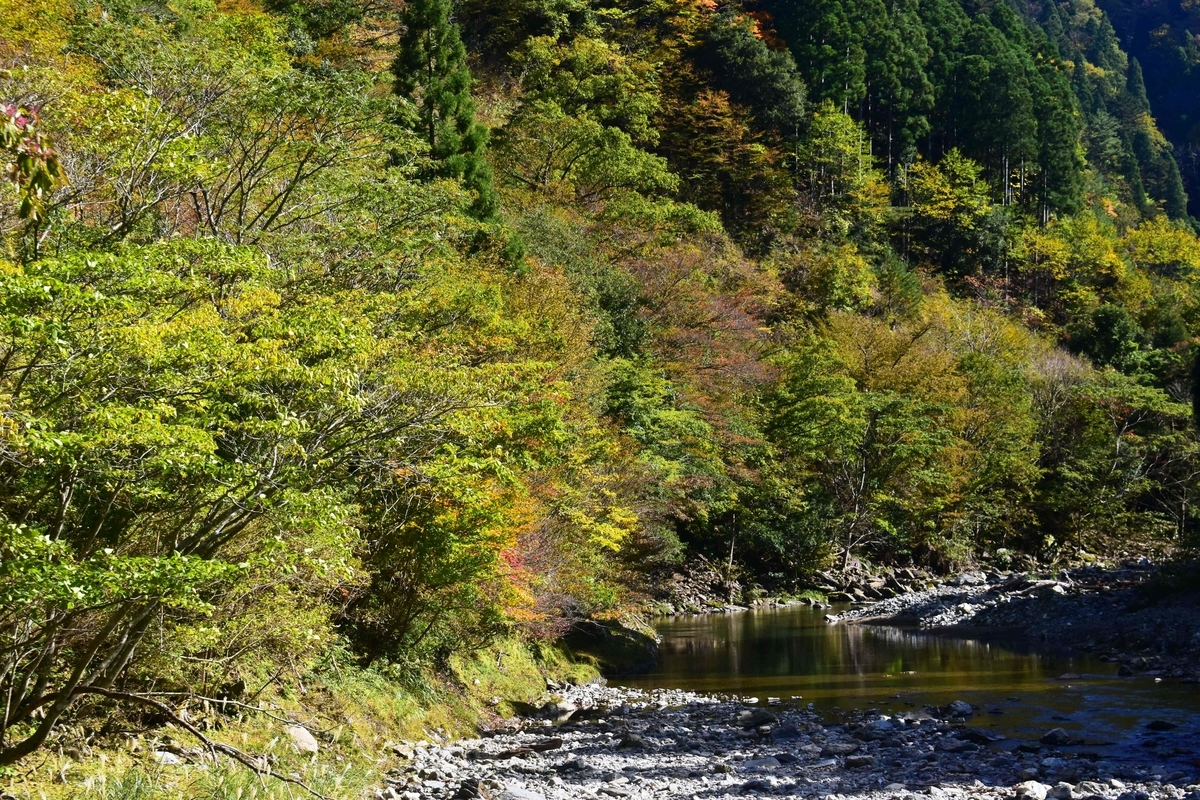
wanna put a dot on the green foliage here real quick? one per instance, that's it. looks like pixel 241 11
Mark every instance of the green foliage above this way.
pixel 761 79
pixel 30 162
pixel 288 387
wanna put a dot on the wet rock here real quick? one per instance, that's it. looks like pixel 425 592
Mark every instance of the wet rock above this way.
pixel 1161 726
pixel 857 762
pixel 879 729
pixel 839 749
pixel 755 718
pixel 1056 738
pixel 960 708
pixel 981 736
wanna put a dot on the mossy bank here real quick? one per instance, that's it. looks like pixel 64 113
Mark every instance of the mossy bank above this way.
pixel 360 719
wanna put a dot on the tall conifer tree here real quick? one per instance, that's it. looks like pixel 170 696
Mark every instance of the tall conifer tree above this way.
pixel 431 70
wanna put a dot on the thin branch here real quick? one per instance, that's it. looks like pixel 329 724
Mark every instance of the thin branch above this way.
pixel 214 747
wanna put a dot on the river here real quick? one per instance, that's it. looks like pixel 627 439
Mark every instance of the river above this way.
pixel 794 655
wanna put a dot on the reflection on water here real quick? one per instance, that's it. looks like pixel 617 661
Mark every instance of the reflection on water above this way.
pixel 793 652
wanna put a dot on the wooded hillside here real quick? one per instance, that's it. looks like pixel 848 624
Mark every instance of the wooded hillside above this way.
pixel 355 335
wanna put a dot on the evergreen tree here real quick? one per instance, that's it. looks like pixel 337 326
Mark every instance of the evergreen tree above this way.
pixel 431 71
pixel 997 122
pixel 899 93
pixel 1055 30
pixel 945 26
pixel 1135 85
pixel 1060 165
pixel 827 47
pixel 1155 158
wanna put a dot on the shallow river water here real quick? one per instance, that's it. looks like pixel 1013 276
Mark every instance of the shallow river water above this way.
pixel 793 653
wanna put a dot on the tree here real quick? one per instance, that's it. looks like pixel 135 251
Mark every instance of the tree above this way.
pixel 948 215
pixel 431 71
pixel 764 80
pixel 29 160
pixel 827 47
pixel 867 417
pixel 898 92
pixel 836 175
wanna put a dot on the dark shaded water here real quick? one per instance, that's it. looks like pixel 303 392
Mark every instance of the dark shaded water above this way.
pixel 793 653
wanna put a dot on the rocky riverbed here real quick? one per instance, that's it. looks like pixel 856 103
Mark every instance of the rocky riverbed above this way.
pixel 601 742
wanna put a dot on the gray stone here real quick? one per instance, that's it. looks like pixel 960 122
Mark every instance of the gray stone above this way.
pixel 1056 738
pixel 302 740
pixel 788 730
pixel 839 749
pixel 1062 791
pixel 514 793
pixel 761 763
pixel 759 716
pixel 856 762
pixel 1031 789
pixel 960 708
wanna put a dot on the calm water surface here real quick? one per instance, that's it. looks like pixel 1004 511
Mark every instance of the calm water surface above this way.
pixel 793 653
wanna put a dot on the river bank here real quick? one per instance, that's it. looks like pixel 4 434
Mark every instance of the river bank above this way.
pixel 602 742
pixel 1142 618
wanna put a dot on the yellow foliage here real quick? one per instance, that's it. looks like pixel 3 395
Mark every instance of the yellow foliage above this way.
pixel 37 30
pixel 1164 247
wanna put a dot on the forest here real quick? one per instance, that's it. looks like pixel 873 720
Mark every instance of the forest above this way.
pixel 358 335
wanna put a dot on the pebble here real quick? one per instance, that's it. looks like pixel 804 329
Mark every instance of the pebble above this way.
pixel 695 745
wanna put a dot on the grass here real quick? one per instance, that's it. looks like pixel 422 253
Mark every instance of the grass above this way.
pixel 357 715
